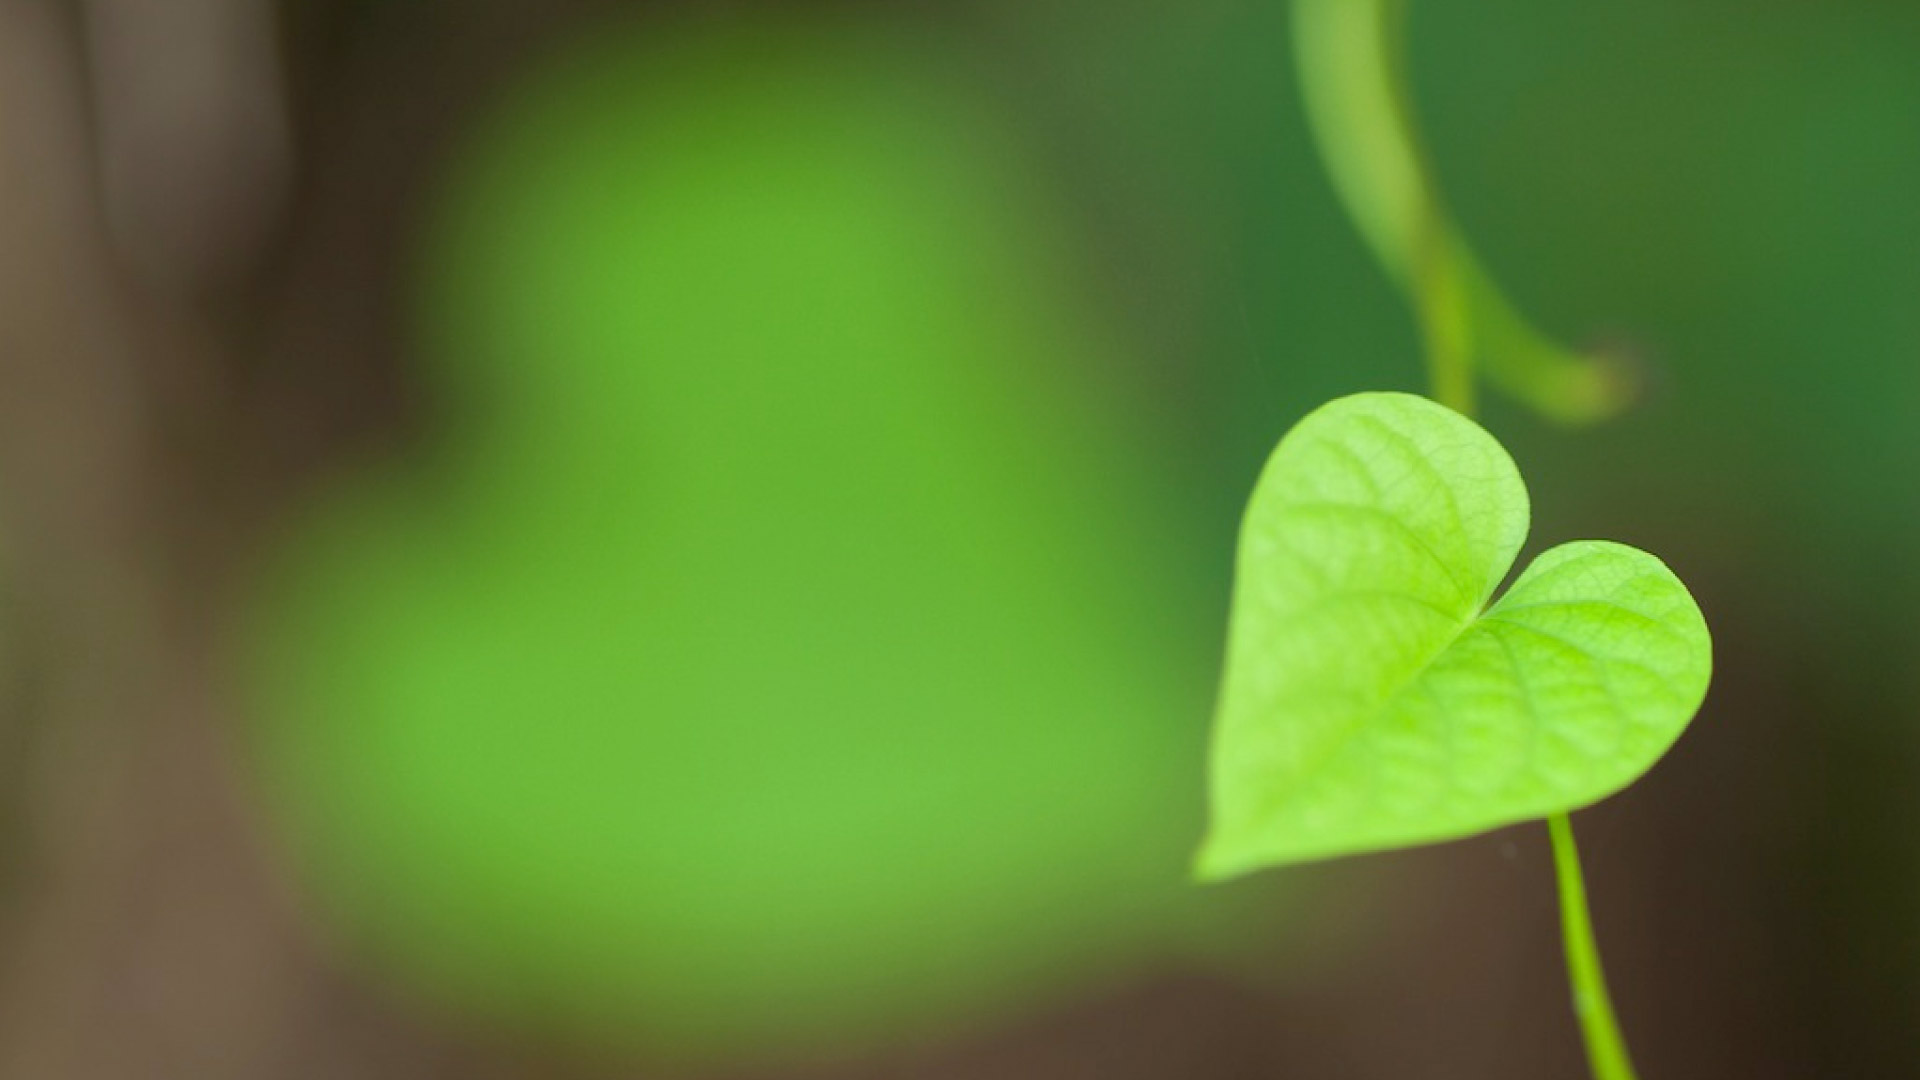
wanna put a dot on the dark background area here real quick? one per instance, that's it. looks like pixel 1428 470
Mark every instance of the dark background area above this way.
pixel 256 260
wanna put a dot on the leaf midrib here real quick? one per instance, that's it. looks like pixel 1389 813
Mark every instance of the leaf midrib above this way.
pixel 1484 611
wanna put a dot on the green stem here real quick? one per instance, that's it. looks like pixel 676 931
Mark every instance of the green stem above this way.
pixel 1351 61
pixel 1606 1050
pixel 1353 84
pixel 1445 331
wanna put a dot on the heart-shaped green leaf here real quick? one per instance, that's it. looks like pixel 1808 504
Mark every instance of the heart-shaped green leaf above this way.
pixel 1373 700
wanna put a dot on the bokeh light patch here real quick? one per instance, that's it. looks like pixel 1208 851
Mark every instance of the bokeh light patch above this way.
pixel 779 644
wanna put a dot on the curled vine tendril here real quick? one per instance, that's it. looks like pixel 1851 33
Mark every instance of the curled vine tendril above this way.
pixel 1353 77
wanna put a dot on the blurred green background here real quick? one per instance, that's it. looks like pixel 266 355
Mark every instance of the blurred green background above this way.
pixel 735 506
pixel 788 633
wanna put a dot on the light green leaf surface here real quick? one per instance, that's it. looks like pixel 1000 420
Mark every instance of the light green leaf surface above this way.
pixel 1373 700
